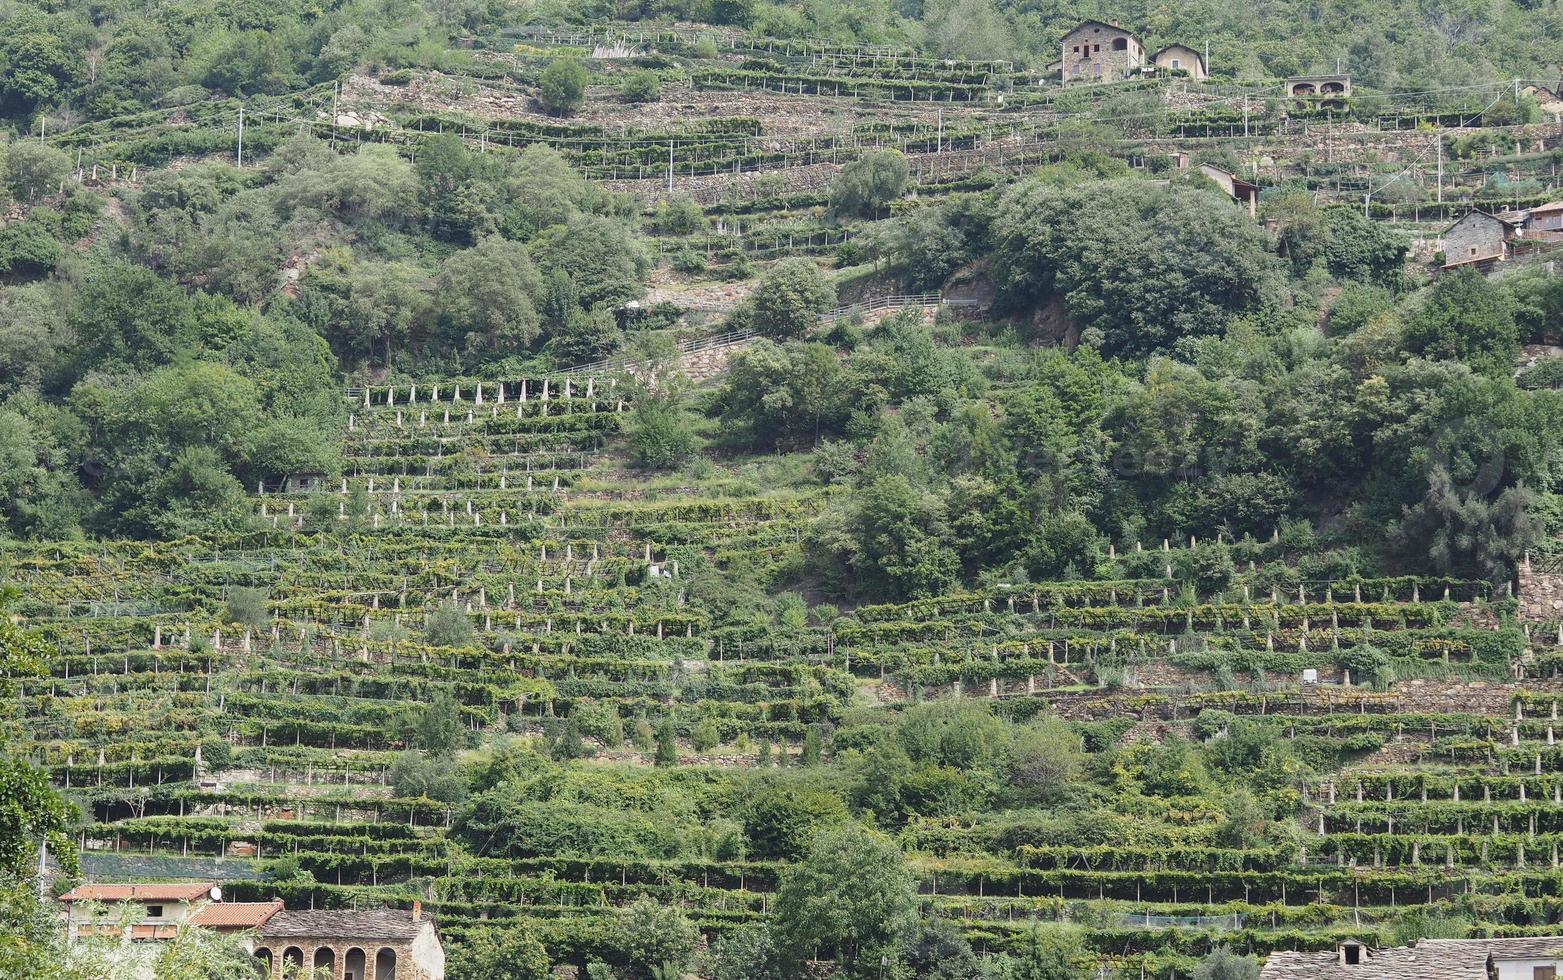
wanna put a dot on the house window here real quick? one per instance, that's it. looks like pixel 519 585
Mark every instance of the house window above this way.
pixel 1473 249
pixel 1074 69
pixel 1176 63
pixel 154 911
pixel 1120 44
pixel 1096 47
pixel 1544 973
pixel 1353 955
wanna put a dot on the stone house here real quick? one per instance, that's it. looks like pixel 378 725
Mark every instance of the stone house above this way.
pixel 1100 52
pixel 1526 958
pixel 1478 238
pixel 1181 57
pixel 350 944
pixel 148 911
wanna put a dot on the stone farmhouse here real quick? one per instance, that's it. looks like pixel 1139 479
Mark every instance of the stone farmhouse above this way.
pixel 1100 52
pixel 1527 958
pixel 1483 239
pixel 1105 51
pixel 348 944
pixel 377 944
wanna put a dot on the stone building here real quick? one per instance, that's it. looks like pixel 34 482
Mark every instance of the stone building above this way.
pixel 1240 190
pixel 1525 958
pixel 1181 57
pixel 1100 52
pixel 147 911
pixel 349 944
pixel 1319 91
pixel 1477 238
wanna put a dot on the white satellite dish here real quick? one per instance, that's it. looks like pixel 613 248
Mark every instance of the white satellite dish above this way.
pixel 216 893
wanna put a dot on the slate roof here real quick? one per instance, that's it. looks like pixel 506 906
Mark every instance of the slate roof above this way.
pixel 389 924
pixel 1091 22
pixel 177 892
pixel 1444 959
pixel 236 915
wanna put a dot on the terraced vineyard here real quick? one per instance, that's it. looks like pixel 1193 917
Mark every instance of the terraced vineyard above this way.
pixel 203 746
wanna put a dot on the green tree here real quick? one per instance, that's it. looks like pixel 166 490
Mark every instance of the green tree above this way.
pixel 1144 264
pixel 788 299
pixel 851 897
pixel 661 432
pixel 667 747
pixel 418 775
pixel 247 607
pixel 31 813
pixel 868 184
pixel 783 395
pixel 1223 964
pixel 562 86
pixel 486 295
pixel 649 933
pixel 782 816
pixel 439 728
pixel 940 952
pixel 1066 546
pixel 1050 952
pixel 642 86
pixel 448 625
pixel 1357 248
pixel 495 953
pixel 746 953
pixel 1469 318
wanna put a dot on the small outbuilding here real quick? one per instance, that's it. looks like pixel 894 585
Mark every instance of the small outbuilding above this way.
pixel 1181 58
pixel 1238 189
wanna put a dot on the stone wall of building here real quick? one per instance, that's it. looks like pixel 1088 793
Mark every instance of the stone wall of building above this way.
pixel 1476 236
pixel 1091 52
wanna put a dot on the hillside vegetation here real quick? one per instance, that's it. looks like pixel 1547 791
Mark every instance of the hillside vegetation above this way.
pixel 750 490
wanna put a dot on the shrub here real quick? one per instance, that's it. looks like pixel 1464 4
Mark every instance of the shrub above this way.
pixel 562 86
pixel 448 626
pixel 642 86
pixel 789 298
pixel 869 183
pixel 247 607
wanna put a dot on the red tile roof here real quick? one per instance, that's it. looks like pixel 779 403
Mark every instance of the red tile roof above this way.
pixel 177 892
pixel 235 915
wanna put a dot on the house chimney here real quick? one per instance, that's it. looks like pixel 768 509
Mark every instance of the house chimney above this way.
pixel 1113 22
pixel 417 910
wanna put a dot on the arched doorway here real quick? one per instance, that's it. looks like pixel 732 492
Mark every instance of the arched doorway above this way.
pixel 385 964
pixel 353 965
pixel 292 961
pixel 263 961
pixel 325 959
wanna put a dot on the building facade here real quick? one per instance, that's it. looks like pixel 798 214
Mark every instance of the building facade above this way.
pixel 1477 238
pixel 1527 958
pixel 1100 52
pixel 146 911
pixel 349 944
pixel 1181 58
